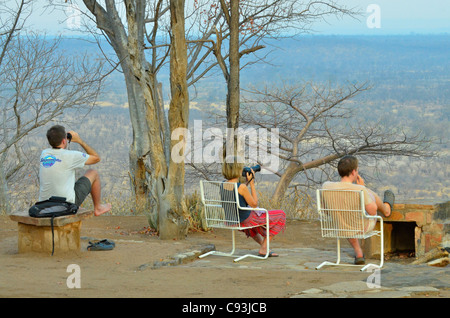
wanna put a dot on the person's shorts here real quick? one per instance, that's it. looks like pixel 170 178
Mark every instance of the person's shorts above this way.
pixel 82 189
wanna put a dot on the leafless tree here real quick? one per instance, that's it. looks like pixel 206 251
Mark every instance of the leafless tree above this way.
pixel 37 83
pixel 234 31
pixel 318 124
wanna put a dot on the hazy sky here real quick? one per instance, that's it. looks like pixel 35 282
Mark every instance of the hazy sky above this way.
pixel 396 16
pixel 386 17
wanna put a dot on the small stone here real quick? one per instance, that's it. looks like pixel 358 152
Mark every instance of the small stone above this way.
pixel 312 291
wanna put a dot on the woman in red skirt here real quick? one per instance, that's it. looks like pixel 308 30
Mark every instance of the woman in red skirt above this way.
pixel 232 170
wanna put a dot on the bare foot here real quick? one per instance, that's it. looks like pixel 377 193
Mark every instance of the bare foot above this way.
pixel 389 209
pixel 389 199
pixel 102 208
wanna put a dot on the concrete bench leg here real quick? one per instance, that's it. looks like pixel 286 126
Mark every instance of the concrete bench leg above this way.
pixel 39 238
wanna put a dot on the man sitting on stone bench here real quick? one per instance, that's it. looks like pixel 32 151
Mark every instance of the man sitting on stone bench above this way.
pixel 57 170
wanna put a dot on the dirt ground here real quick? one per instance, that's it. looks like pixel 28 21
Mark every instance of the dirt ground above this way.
pixel 116 273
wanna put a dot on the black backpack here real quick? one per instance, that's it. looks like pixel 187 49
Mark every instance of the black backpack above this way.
pixel 51 208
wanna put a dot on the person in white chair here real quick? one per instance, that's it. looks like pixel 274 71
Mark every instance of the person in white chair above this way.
pixel 351 180
pixel 232 169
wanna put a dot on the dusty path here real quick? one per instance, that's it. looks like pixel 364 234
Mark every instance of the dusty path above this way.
pixel 119 273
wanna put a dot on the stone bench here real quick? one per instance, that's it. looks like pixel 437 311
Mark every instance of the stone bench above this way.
pixel 35 234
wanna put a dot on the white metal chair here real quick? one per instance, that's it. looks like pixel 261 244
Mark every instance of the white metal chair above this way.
pixel 342 215
pixel 221 206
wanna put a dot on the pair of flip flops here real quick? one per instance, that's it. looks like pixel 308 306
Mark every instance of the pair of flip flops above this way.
pixel 102 245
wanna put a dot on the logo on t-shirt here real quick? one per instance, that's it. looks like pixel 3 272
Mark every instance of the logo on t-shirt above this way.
pixel 49 161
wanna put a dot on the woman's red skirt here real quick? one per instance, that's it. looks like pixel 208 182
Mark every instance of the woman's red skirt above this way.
pixel 277 223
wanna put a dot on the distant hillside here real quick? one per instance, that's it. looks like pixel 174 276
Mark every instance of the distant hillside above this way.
pixel 412 69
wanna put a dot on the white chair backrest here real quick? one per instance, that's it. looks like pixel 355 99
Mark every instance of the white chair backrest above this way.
pixel 342 213
pixel 221 203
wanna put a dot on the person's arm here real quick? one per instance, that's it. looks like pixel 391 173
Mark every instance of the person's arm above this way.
pixel 371 208
pixel 93 156
pixel 250 198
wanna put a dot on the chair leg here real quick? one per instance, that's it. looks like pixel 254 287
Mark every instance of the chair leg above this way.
pixel 364 267
pixel 231 254
pixel 338 252
pixel 368 266
pixel 257 256
pixel 233 241
pixel 267 244
pixel 338 243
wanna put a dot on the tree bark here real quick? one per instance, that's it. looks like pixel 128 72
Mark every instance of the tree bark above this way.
pixel 173 223
pixel 233 95
pixel 5 206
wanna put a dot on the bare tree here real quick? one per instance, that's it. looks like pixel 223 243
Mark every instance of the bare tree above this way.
pixel 37 83
pixel 239 29
pixel 133 28
pixel 318 125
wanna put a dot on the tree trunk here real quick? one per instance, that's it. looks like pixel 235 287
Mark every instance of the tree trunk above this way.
pixel 173 223
pixel 140 147
pixel 289 174
pixel 233 95
pixel 5 207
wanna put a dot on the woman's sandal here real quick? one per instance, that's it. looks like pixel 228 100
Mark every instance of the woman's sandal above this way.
pixel 271 254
